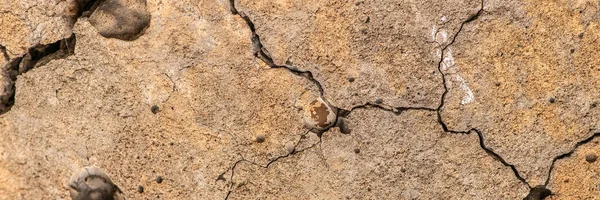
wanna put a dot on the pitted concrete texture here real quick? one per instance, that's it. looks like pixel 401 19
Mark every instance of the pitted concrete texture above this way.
pixel 386 47
pixel 534 80
pixel 289 99
pixel 576 177
pixel 26 23
pixel 399 157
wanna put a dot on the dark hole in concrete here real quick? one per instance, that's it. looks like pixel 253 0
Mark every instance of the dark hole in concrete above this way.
pixel 154 109
pixel 36 55
pixel 538 193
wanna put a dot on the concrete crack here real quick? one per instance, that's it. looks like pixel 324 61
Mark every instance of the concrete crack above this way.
pixel 262 54
pixel 294 152
pixel 488 150
pixel 535 193
pixel 568 154
pixel 39 55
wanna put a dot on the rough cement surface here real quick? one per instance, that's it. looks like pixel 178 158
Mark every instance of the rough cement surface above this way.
pixel 399 157
pixel 299 99
pixel 26 23
pixel 576 177
pixel 534 82
pixel 386 47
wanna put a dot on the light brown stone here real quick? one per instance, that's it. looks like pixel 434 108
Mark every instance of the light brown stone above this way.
pixel 178 93
pixel 26 23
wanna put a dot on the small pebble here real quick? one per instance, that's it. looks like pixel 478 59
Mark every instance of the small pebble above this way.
pixel 357 150
pixel 551 100
pixel 591 157
pixel 154 109
pixel 343 125
pixel 497 83
pixel 290 148
pixel 260 138
pixel 140 189
pixel 378 101
pixel 159 179
pixel 351 79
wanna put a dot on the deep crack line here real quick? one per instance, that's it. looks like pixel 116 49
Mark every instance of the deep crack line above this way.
pixel 16 66
pixel 446 89
pixel 498 157
pixel 261 53
pixel 568 154
pixel 488 150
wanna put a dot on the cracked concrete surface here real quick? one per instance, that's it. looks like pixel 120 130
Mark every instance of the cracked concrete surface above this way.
pixel 534 78
pixel 238 100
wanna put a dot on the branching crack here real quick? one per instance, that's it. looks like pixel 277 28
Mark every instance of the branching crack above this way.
pixel 538 192
pixel 568 154
pixel 294 152
pixel 488 150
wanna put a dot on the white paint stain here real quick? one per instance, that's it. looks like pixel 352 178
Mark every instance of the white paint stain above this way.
pixel 449 65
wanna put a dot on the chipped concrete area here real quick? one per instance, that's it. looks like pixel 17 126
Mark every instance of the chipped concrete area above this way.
pixel 217 99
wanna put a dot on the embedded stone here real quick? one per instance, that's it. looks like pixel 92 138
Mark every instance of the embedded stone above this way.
pixel 319 115
pixel 121 19
pixel 93 184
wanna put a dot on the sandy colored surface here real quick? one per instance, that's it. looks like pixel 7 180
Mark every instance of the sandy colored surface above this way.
pixel 404 99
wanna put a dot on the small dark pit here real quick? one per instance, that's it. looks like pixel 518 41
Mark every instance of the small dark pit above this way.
pixel 154 109
pixel 260 138
pixel 591 157
pixel 159 179
pixel 140 189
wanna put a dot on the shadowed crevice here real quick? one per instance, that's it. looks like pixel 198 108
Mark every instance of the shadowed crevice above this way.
pixel 36 56
pixel 262 54
pixel 289 154
pixel 568 154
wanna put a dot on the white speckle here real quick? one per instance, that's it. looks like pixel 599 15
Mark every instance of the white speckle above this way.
pixel 449 66
pixel 433 32
pixel 443 19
